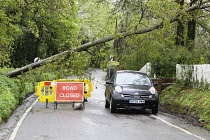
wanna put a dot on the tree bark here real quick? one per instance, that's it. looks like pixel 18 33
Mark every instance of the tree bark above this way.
pixel 179 41
pixel 191 25
pixel 86 46
pixel 191 34
pixel 34 65
pixel 180 34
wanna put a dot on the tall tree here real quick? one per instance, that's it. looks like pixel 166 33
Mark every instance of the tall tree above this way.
pixel 48 28
pixel 9 15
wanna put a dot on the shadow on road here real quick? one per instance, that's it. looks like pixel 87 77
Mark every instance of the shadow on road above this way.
pixel 133 111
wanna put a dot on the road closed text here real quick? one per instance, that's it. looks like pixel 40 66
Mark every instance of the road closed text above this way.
pixel 69 95
pixel 69 87
pixel 69 91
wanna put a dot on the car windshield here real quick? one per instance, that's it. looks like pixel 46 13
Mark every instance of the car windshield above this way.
pixel 132 79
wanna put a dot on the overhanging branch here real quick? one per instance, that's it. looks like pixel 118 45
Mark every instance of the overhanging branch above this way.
pixel 86 46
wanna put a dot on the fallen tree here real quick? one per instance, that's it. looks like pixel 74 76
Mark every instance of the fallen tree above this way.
pixel 86 46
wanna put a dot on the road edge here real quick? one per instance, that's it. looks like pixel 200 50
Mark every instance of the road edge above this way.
pixel 14 132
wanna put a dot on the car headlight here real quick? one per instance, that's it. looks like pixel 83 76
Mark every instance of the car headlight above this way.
pixel 152 90
pixel 118 89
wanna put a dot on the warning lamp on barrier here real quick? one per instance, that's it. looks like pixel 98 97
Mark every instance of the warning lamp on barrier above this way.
pixel 47 83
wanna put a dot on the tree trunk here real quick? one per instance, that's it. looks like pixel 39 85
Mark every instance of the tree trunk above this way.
pixel 180 34
pixel 116 41
pixel 191 34
pixel 180 27
pixel 191 25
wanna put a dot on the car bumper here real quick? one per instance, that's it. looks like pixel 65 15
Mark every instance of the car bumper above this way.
pixel 124 103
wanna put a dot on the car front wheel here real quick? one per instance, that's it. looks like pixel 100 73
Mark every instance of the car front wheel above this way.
pixel 112 107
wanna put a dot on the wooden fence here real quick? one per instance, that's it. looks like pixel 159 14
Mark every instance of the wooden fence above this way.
pixel 162 83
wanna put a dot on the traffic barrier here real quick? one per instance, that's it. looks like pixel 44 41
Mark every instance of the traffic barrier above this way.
pixel 64 90
pixel 46 91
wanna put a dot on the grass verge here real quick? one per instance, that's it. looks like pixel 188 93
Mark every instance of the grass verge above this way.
pixel 193 103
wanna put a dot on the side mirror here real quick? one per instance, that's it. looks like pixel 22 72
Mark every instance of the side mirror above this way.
pixel 109 82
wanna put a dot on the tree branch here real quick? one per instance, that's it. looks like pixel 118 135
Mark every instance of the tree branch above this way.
pixel 204 25
pixel 86 46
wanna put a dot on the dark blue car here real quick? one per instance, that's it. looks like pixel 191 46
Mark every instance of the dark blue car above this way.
pixel 128 89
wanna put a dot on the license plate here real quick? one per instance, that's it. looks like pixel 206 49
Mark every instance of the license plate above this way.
pixel 137 101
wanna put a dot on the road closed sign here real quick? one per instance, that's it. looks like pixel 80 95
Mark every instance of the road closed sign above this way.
pixel 69 91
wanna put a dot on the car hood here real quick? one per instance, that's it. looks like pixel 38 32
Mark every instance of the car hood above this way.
pixel 132 89
pixel 136 87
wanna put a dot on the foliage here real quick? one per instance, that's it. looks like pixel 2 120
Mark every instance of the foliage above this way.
pixel 40 28
pixel 192 102
pixel 9 96
pixel 75 64
pixel 159 49
pixel 37 28
pixel 8 104
pixel 9 31
pixel 5 70
pixel 96 21
pixel 112 64
pixel 13 91
pixel 158 46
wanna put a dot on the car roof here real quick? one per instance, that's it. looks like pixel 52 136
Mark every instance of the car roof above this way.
pixel 130 71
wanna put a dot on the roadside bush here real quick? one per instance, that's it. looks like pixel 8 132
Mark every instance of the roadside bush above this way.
pixel 8 104
pixel 9 97
pixel 5 70
pixel 14 90
pixel 187 101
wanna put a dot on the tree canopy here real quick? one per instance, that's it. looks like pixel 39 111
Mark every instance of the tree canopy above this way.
pixel 133 31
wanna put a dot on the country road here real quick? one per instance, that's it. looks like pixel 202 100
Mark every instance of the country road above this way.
pixel 32 121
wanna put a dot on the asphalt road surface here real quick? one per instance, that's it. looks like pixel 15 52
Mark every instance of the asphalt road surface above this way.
pixel 95 122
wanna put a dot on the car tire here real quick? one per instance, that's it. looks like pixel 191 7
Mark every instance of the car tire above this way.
pixel 107 105
pixel 112 107
pixel 155 109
